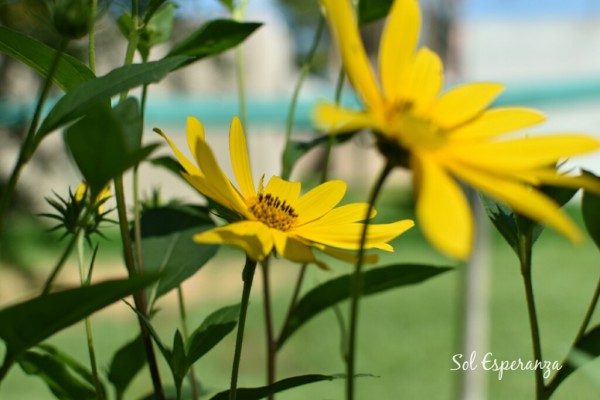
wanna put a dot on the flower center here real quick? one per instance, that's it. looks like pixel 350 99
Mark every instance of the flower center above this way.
pixel 412 130
pixel 273 212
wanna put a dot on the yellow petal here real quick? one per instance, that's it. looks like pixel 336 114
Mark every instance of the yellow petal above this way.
pixel 397 47
pixel 342 22
pixel 251 236
pixel 426 80
pixel 201 184
pixel 239 159
pixel 346 214
pixel 194 132
pixel 522 154
pixel 348 236
pixel 319 200
pixel 334 119
pixel 521 198
pixel 217 179
pixel 553 178
pixel 443 212
pixel 463 103
pixel 183 160
pixel 497 121
pixel 294 250
pixel 284 190
pixel 350 257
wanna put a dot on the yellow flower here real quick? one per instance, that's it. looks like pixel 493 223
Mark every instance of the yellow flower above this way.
pixel 100 199
pixel 447 137
pixel 277 216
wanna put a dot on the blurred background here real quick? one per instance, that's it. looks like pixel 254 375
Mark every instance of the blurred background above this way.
pixel 547 52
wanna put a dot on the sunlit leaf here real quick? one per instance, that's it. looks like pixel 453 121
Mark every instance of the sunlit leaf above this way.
pixel 126 363
pixel 214 37
pixel 375 281
pixel 167 245
pixel 38 56
pixel 79 99
pixel 26 324
pixel 279 386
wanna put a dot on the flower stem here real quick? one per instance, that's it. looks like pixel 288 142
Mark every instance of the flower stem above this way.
pixel 30 144
pixel 88 323
pixel 140 297
pixel 271 345
pixel 525 249
pixel 304 71
pixel 186 336
pixel 338 95
pixel 247 277
pixel 293 301
pixel 357 285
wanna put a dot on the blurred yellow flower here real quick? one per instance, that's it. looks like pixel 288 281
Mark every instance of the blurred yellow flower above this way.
pixel 100 199
pixel 450 136
pixel 277 216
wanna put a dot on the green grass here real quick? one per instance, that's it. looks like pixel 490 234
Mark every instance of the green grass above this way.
pixel 407 336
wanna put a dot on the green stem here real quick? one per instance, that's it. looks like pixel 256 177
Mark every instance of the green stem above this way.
pixel 357 286
pixel 30 144
pixel 88 323
pixel 6 365
pixel 304 71
pixel 186 336
pixel 338 95
pixel 525 249
pixel 92 36
pixel 293 302
pixel 247 277
pixel 140 297
pixel 271 344
pixel 238 15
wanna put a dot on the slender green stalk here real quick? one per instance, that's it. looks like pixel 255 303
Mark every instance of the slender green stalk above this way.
pixel 30 144
pixel 271 344
pixel 88 323
pixel 247 277
pixel 525 248
pixel 338 96
pixel 293 301
pixel 140 297
pixel 357 286
pixel 92 35
pixel 238 15
pixel 186 336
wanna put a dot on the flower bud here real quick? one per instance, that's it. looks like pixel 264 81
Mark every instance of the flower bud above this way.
pixel 72 18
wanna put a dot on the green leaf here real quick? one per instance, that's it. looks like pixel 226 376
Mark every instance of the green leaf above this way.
pixel 372 10
pixel 81 98
pixel 503 219
pixel 158 29
pixel 588 344
pixel 70 71
pixel 178 362
pixel 152 9
pixel 125 365
pixel 590 209
pixel 228 4
pixel 374 281
pixel 70 362
pixel 56 375
pixel 297 149
pixel 279 386
pixel 28 323
pixel 170 164
pixel 214 37
pixel 167 244
pixel 214 328
pixel 105 143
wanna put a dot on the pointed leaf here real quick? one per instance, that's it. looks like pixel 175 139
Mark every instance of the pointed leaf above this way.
pixel 279 386
pixel 503 219
pixel 590 208
pixel 70 71
pixel 57 376
pixel 26 324
pixel 178 362
pixel 375 280
pixel 80 369
pixel 79 99
pixel 125 365
pixel 214 37
pixel 168 247
pixel 372 10
pixel 588 344
pixel 214 328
